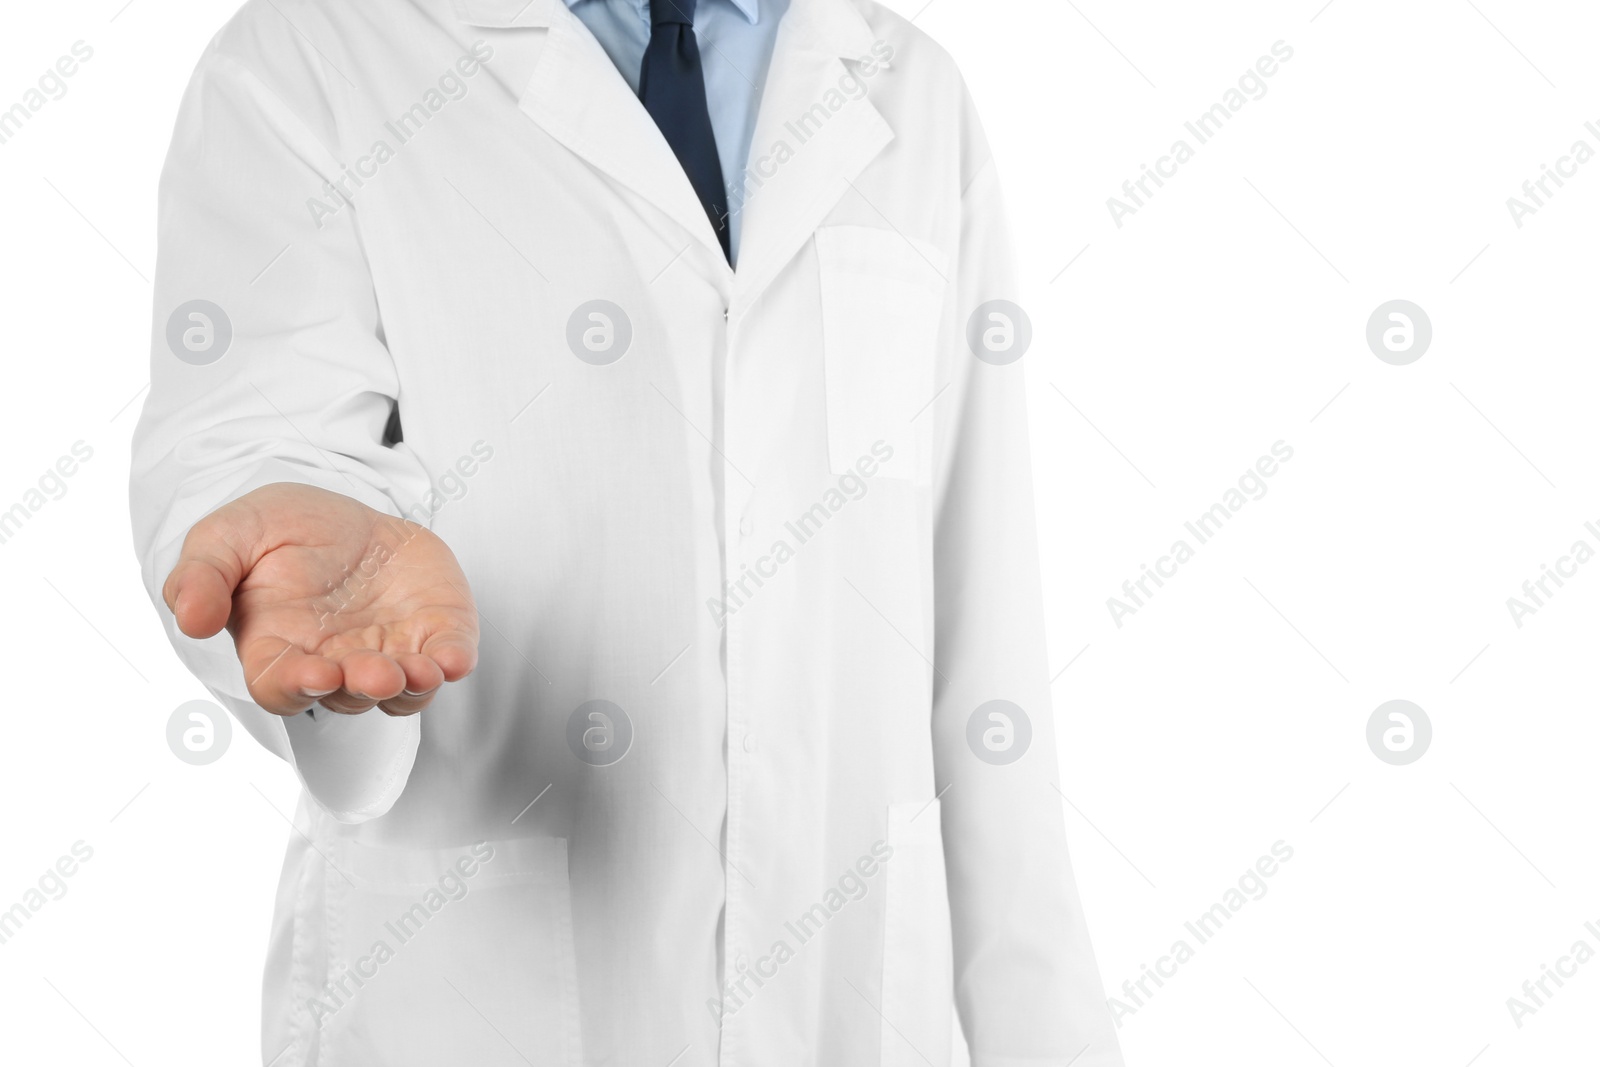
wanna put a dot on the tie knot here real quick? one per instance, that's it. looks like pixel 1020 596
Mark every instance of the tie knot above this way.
pixel 668 12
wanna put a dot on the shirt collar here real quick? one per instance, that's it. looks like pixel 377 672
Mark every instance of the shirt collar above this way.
pixel 750 9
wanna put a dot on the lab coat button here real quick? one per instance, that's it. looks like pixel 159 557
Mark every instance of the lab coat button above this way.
pixel 747 526
pixel 750 743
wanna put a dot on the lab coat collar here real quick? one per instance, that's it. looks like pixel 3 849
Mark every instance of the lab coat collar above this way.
pixel 750 9
pixel 836 25
pixel 576 96
pixel 800 168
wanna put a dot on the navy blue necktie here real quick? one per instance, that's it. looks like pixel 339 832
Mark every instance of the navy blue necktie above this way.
pixel 673 89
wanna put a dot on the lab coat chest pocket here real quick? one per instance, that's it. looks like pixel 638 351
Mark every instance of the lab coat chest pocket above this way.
pixel 882 296
pixel 450 956
pixel 918 982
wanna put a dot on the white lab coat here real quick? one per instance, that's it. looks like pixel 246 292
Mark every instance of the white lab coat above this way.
pixel 788 533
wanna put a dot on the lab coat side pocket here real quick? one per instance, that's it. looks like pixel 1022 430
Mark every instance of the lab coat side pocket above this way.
pixel 918 982
pixel 882 296
pixel 450 956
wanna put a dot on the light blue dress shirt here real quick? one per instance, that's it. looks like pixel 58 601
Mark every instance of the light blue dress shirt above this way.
pixel 736 39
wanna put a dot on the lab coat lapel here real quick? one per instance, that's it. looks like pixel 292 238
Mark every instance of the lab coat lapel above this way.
pixel 811 139
pixel 577 96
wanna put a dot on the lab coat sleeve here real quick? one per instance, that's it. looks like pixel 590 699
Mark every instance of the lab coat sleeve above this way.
pixel 302 392
pixel 1028 990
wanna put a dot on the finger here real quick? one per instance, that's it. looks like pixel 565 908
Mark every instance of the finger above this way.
pixel 285 680
pixel 455 652
pixel 344 702
pixel 423 675
pixel 423 679
pixel 371 676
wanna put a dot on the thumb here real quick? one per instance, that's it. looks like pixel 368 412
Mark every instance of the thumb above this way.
pixel 199 591
pixel 200 595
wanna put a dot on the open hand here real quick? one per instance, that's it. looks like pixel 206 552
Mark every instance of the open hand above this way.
pixel 327 600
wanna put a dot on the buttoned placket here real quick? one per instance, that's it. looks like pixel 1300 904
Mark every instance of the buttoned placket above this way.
pixel 738 495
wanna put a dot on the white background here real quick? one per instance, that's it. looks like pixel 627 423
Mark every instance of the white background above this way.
pixel 1229 713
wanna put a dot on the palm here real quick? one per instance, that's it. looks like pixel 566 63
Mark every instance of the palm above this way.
pixel 336 601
